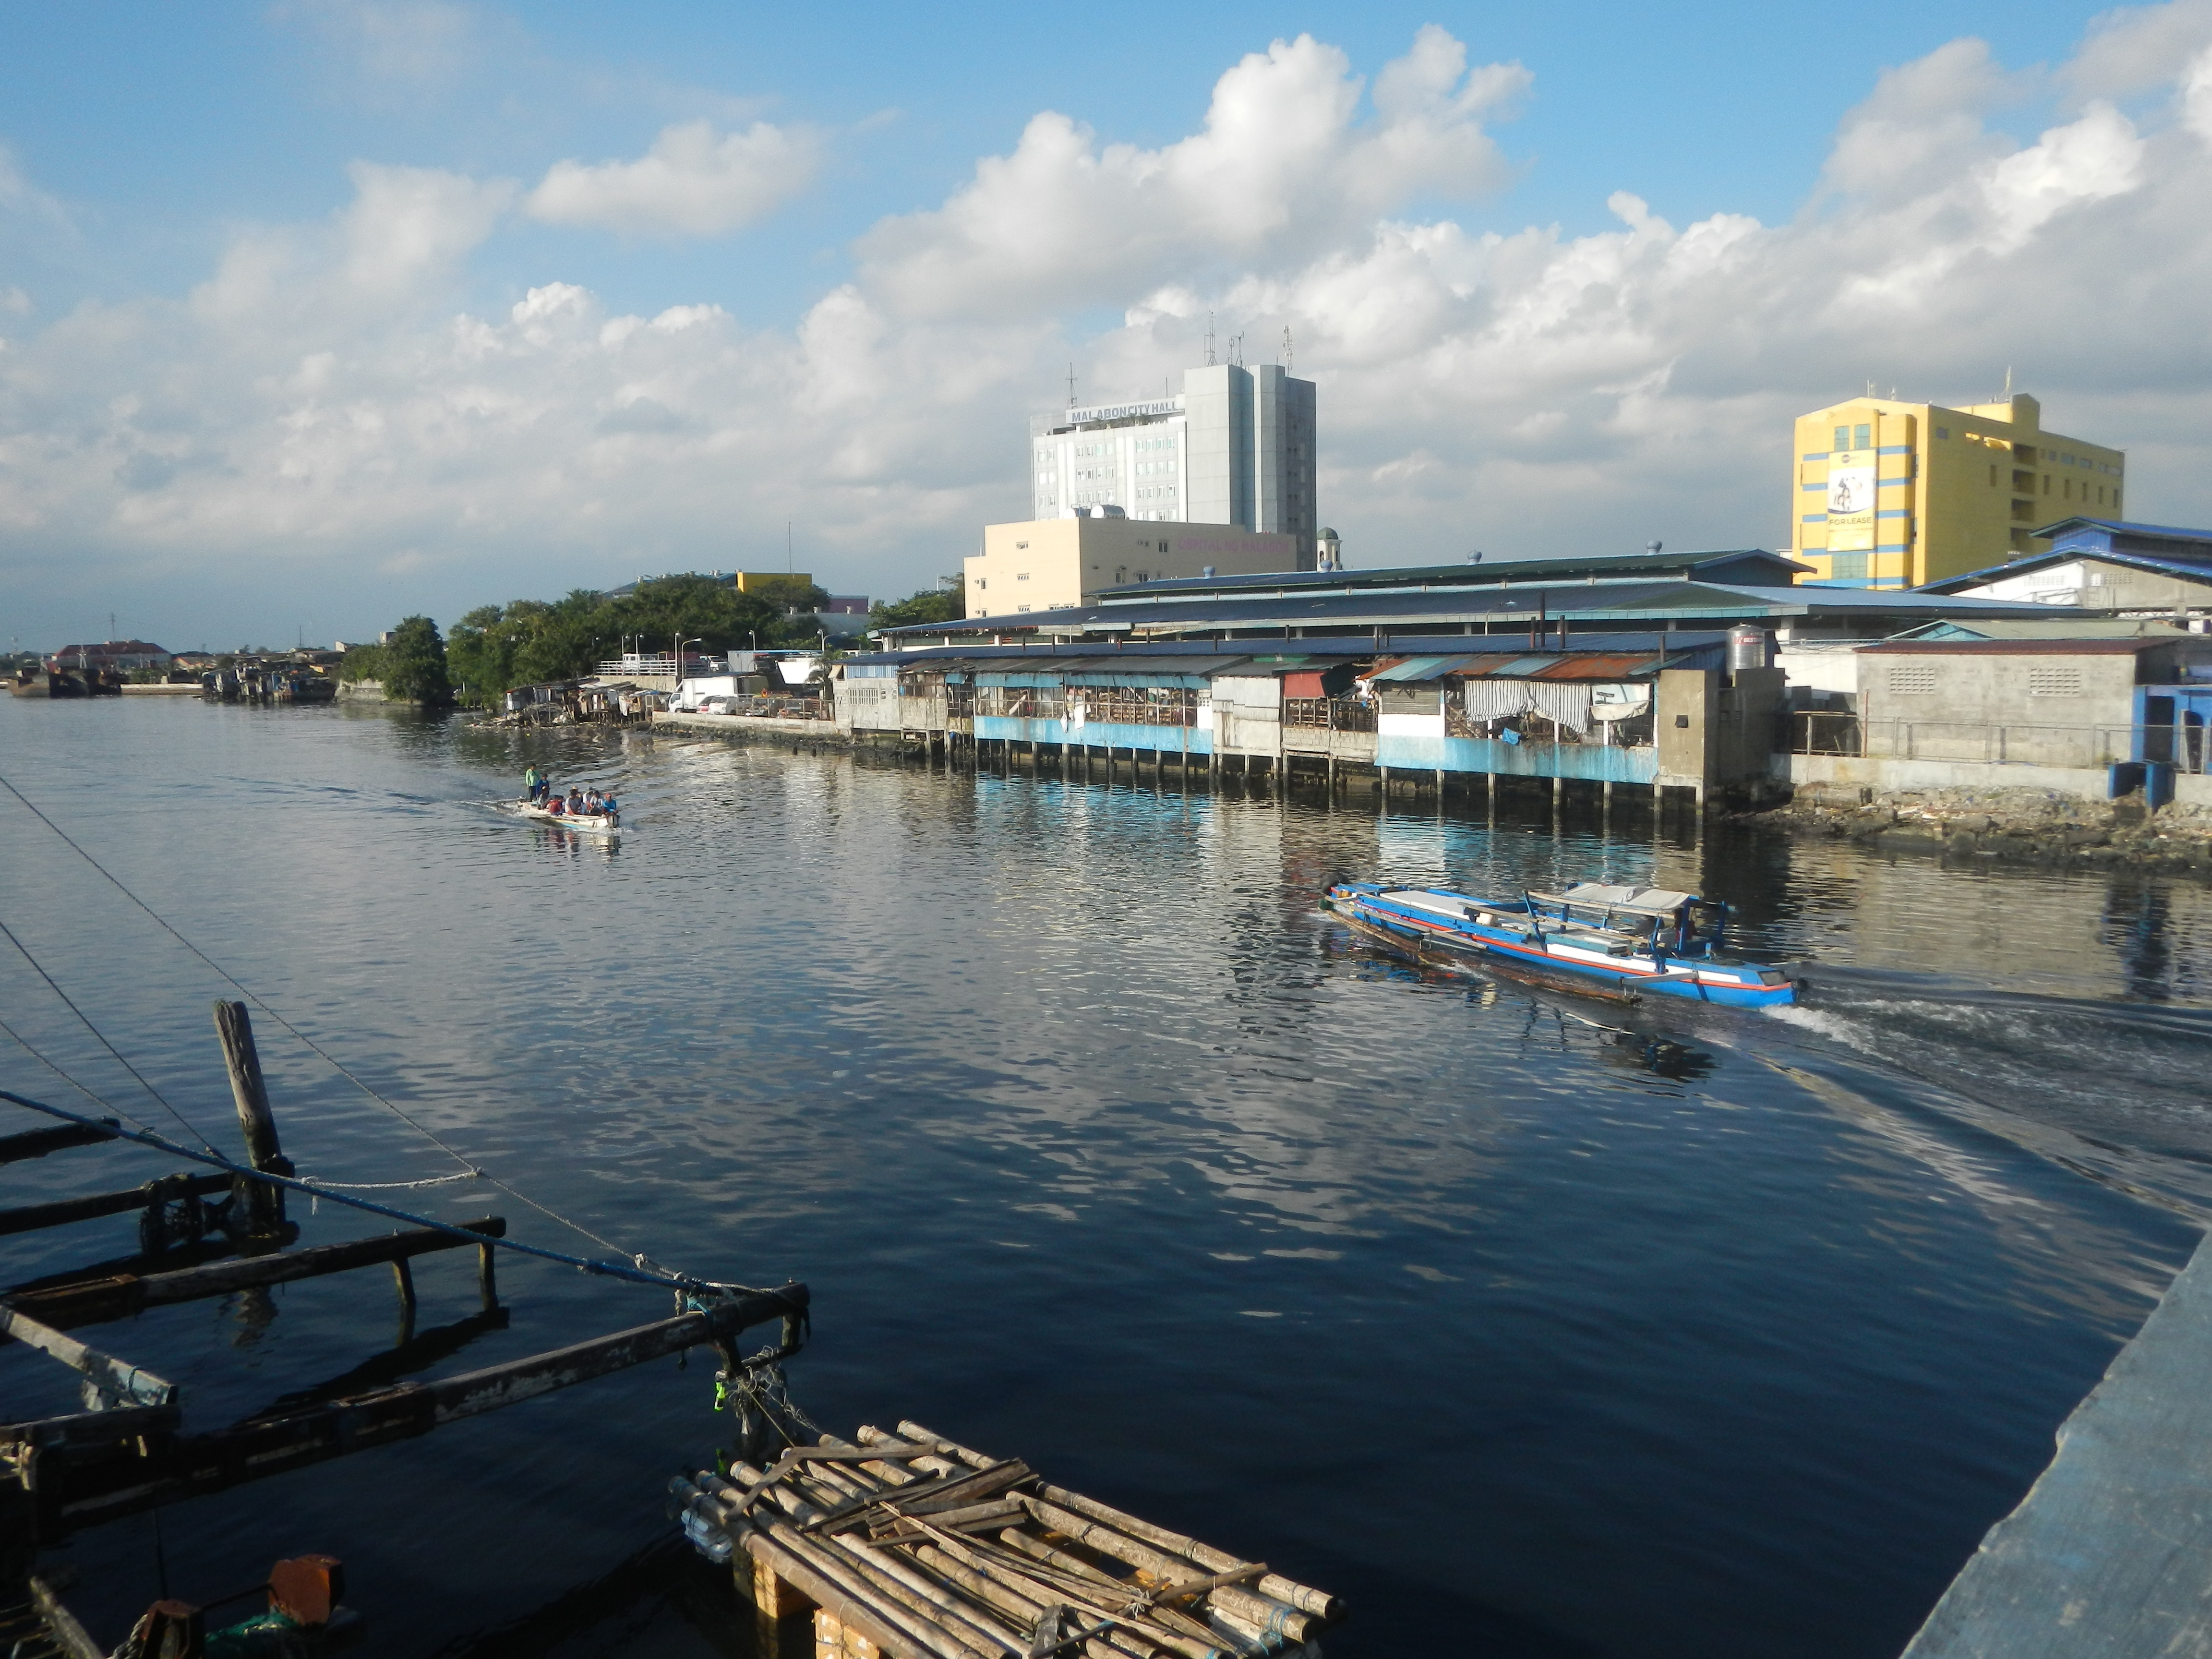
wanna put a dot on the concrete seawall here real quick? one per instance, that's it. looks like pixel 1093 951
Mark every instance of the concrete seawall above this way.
pixel 2106 1555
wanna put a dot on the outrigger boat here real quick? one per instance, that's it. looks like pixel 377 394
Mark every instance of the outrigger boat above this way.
pixel 589 824
pixel 1622 943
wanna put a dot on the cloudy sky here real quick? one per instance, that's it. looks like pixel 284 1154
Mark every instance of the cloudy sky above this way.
pixel 318 312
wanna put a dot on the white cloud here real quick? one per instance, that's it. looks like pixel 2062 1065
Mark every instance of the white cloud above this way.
pixel 1284 166
pixel 692 182
pixel 328 402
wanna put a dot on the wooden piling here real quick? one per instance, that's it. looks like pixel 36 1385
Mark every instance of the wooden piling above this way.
pixel 263 1204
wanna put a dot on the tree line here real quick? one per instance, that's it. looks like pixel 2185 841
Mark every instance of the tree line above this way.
pixel 495 648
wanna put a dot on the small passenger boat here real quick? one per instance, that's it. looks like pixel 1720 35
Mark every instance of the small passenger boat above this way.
pixel 1622 943
pixel 589 824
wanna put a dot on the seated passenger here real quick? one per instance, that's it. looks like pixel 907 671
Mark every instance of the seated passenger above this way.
pixel 575 803
pixel 557 807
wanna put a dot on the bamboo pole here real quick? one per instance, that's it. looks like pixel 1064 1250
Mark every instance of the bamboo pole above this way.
pixel 980 1625
pixel 1028 1600
pixel 853 1576
pixel 1264 1612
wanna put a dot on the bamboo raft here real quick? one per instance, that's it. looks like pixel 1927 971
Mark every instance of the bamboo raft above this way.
pixel 910 1544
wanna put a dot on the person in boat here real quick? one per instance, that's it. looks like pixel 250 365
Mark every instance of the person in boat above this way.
pixel 608 806
pixel 575 802
pixel 557 807
pixel 533 781
pixel 591 806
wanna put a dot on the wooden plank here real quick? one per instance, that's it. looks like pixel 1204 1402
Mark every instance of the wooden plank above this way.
pixel 86 1489
pixel 31 1216
pixel 37 1143
pixel 112 1377
pixel 124 1295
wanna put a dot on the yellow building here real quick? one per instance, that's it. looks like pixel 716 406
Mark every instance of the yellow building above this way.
pixel 1053 564
pixel 1895 494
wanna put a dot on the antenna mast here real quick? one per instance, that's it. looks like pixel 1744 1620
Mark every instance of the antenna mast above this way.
pixel 1209 339
pixel 1071 385
pixel 1287 348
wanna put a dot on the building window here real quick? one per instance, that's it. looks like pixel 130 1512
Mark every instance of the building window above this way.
pixel 1993 475
pixel 1942 431
pixel 1913 679
pixel 1021 544
pixel 2054 682
pixel 1843 437
pixel 1862 437
pixel 982 582
pixel 1021 607
pixel 1023 577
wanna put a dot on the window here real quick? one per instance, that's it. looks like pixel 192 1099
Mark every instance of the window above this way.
pixel 1843 437
pixel 982 582
pixel 1862 436
pixel 1023 577
pixel 1993 475
pixel 2046 484
pixel 1021 544
pixel 1913 679
pixel 1942 431
pixel 2064 682
pixel 1021 607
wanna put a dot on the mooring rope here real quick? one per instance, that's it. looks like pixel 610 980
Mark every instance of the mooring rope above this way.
pixel 638 1270
pixel 470 1168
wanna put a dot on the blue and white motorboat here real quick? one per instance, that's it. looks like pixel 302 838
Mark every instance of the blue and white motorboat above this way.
pixel 1622 943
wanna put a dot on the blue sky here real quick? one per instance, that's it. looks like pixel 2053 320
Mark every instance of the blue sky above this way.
pixel 215 417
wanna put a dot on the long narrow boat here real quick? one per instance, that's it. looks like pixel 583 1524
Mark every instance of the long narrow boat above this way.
pixel 584 824
pixel 1617 942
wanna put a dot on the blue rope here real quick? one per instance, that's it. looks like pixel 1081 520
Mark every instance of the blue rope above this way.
pixel 145 1137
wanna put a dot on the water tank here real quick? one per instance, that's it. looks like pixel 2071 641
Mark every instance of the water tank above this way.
pixel 1749 647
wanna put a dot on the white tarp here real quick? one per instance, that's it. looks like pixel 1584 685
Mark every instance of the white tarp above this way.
pixel 1618 702
pixel 1566 702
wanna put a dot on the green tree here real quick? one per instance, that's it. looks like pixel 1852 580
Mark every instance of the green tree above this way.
pixel 362 662
pixel 415 664
pixel 932 604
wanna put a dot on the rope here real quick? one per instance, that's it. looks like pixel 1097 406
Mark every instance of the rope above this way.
pixel 26 1045
pixel 648 1274
pixel 336 1065
pixel 86 1022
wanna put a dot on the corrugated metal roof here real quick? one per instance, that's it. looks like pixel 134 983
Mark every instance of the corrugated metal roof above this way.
pixel 1418 668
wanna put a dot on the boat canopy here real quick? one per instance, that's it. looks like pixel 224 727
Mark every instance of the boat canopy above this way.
pixel 1662 903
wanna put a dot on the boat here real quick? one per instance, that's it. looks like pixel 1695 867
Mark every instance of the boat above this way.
pixel 587 824
pixel 1617 942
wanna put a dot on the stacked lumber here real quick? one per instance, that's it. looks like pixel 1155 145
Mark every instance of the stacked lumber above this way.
pixel 910 1544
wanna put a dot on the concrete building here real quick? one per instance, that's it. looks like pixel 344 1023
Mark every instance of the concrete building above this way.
pixel 1060 564
pixel 1236 446
pixel 1885 494
pixel 2105 565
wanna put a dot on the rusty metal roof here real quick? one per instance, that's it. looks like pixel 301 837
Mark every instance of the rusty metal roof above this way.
pixel 1523 664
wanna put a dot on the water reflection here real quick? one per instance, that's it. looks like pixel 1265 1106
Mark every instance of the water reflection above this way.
pixel 1101 1143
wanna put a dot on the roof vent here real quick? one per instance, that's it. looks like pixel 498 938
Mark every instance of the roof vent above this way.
pixel 1653 547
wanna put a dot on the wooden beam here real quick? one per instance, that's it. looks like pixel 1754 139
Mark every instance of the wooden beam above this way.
pixel 264 1204
pixel 85 1489
pixel 93 1428
pixel 126 1295
pixel 37 1143
pixel 71 1636
pixel 31 1216
pixel 113 1378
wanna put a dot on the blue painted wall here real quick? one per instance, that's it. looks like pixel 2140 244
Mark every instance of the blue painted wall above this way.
pixel 1099 735
pixel 1597 762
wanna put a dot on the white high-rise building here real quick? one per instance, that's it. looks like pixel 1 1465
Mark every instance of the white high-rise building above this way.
pixel 1236 448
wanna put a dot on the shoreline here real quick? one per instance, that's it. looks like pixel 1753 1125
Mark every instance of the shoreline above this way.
pixel 2015 826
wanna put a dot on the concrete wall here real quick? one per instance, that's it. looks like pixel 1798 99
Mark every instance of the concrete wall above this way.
pixel 2032 709
pixel 1217 405
pixel 1045 564
pixel 1248 714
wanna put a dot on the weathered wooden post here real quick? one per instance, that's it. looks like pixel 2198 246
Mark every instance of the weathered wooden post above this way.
pixel 262 1203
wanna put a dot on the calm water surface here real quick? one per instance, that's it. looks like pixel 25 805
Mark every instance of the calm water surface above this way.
pixel 1532 1326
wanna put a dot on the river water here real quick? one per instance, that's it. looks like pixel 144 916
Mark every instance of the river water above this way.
pixel 1531 1326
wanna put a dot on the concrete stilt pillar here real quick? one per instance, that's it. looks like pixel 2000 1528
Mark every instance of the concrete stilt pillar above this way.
pixel 1440 789
pixel 1558 791
pixel 1331 778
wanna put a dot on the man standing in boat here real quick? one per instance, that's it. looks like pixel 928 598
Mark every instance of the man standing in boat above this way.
pixel 534 781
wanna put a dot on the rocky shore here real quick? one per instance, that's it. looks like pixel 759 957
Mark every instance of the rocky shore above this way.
pixel 2022 825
